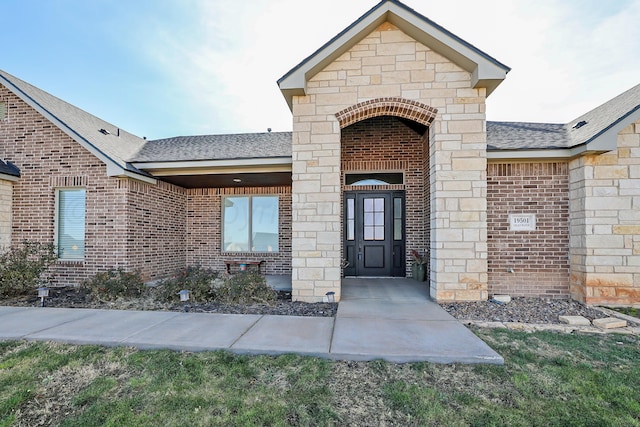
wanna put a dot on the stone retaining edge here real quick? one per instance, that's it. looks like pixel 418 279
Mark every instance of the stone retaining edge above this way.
pixel 613 313
pixel 567 329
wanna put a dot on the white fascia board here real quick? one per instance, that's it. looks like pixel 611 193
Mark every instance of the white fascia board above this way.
pixel 12 178
pixel 608 139
pixel 559 153
pixel 119 172
pixel 197 167
pixel 529 154
pixel 295 84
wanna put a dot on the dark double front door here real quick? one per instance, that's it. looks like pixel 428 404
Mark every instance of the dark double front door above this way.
pixel 374 233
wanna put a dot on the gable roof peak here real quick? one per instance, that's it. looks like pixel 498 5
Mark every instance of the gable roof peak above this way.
pixel 112 145
pixel 486 71
pixel 599 127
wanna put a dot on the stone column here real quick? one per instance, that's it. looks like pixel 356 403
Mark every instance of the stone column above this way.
pixel 316 243
pixel 458 177
pixel 604 192
pixel 6 201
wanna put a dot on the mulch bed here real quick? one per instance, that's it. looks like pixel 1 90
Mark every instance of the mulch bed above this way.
pixel 523 310
pixel 74 297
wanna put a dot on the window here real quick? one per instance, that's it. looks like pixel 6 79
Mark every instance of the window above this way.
pixel 374 178
pixel 70 215
pixel 250 224
pixel 374 218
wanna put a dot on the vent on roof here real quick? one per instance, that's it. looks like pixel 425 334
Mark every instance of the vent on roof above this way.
pixel 579 124
pixel 104 131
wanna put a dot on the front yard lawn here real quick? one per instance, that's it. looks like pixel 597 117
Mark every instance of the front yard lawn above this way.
pixel 548 379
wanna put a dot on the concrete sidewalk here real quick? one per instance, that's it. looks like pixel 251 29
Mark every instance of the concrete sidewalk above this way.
pixel 364 329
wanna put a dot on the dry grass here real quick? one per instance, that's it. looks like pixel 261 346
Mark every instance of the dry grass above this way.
pixel 548 379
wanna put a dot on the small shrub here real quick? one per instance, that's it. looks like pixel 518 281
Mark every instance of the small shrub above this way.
pixel 246 287
pixel 22 267
pixel 200 281
pixel 115 283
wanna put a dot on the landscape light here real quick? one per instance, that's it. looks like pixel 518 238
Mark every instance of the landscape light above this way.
pixel 43 292
pixel 184 297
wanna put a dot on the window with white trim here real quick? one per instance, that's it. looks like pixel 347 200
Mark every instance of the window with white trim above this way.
pixel 70 223
pixel 250 224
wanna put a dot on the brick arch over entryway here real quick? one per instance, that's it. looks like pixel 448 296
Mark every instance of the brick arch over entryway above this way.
pixel 389 106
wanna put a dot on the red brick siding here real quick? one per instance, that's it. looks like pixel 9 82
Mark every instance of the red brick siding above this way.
pixel 539 259
pixel 386 144
pixel 156 228
pixel 204 229
pixel 114 236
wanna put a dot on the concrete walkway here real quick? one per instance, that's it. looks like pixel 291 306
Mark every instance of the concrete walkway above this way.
pixel 390 319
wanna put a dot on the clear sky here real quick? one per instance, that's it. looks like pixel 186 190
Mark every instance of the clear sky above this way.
pixel 161 68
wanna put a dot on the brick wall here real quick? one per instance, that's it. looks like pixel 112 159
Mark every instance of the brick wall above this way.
pixel 156 228
pixel 539 259
pixel 122 216
pixel 386 144
pixel 204 229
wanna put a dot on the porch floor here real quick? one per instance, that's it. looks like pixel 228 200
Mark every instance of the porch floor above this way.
pixel 395 319
pixel 391 319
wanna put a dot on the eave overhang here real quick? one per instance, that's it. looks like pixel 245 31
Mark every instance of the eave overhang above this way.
pixel 607 139
pixel 114 169
pixel 545 154
pixel 7 177
pixel 213 167
pixel 9 171
pixel 486 71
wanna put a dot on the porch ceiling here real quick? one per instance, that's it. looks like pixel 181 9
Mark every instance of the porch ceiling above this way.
pixel 227 180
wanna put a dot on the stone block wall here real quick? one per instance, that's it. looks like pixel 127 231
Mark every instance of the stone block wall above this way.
pixel 389 63
pixel 528 263
pixel 605 223
pixel 204 229
pixel 6 198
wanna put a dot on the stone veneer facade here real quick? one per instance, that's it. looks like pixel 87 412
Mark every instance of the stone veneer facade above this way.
pixel 6 202
pixel 391 104
pixel 605 223
pixel 389 64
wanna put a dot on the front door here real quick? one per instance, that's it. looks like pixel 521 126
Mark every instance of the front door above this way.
pixel 374 233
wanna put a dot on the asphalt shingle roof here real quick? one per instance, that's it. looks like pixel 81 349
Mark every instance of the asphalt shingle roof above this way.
pixel 127 148
pixel 9 168
pixel 525 136
pixel 603 117
pixel 216 147
pixel 82 125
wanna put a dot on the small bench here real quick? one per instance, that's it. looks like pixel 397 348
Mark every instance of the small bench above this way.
pixel 256 264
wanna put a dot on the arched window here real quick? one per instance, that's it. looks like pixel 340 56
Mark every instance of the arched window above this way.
pixel 373 178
